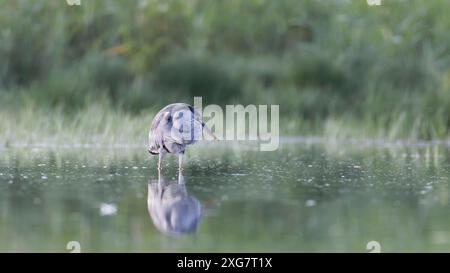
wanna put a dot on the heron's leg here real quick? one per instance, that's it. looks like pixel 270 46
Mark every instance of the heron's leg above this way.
pixel 161 156
pixel 181 180
pixel 180 161
pixel 160 180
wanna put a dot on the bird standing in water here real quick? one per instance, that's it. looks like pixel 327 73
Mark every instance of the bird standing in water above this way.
pixel 173 128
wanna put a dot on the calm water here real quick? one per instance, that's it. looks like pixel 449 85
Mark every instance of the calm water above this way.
pixel 321 198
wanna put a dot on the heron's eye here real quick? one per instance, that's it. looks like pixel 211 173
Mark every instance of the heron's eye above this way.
pixel 181 130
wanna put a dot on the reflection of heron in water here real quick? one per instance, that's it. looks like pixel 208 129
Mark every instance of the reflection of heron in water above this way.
pixel 172 209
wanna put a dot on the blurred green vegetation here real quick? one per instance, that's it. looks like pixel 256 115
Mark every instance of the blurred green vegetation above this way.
pixel 338 68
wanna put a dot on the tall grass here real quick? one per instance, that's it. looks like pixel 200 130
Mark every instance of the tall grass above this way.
pixel 97 123
pixel 336 68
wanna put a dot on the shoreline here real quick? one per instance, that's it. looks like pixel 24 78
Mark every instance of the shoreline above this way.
pixel 307 140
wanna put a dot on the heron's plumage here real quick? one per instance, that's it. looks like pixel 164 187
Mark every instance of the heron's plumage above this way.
pixel 174 127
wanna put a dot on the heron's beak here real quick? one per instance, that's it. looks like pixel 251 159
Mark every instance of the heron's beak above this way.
pixel 209 132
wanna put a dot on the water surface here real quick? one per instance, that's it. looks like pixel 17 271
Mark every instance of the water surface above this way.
pixel 319 197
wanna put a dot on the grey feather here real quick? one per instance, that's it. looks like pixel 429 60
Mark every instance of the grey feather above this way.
pixel 174 127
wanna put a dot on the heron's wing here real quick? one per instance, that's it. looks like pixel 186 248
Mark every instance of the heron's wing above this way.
pixel 158 130
pixel 186 127
pixel 176 124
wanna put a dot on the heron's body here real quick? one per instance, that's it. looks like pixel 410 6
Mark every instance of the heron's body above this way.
pixel 173 128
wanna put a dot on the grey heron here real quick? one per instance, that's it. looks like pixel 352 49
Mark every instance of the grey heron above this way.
pixel 173 128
